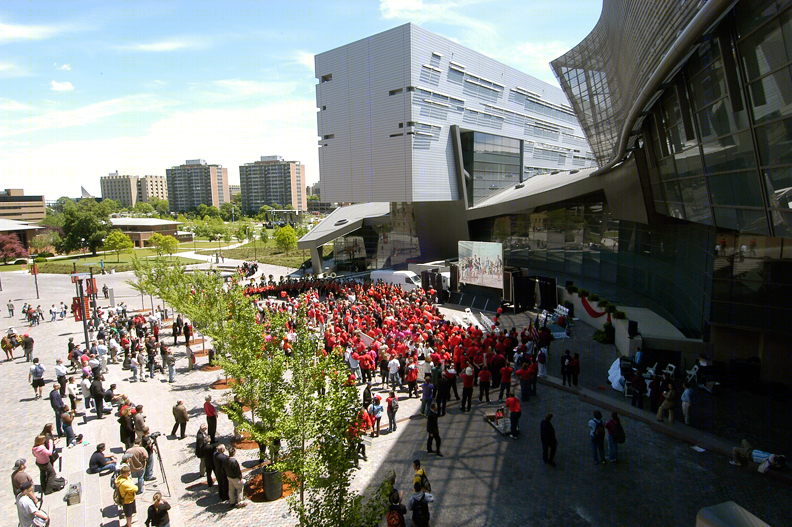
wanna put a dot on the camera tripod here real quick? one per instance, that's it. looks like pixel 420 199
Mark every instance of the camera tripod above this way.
pixel 159 458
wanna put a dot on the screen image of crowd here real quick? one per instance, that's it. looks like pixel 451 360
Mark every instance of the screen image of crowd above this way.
pixel 481 263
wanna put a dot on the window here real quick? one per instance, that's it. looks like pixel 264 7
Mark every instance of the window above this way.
pixel 327 78
pixel 394 92
pixel 401 125
pixel 329 136
pixel 410 123
pixel 324 108
pixel 410 88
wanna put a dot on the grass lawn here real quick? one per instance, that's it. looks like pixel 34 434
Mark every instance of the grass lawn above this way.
pixel 67 267
pixel 10 267
pixel 268 255
pixel 202 244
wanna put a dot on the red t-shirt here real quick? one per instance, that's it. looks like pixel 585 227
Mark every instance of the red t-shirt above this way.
pixel 523 374
pixel 506 372
pixel 485 375
pixel 513 404
pixel 467 380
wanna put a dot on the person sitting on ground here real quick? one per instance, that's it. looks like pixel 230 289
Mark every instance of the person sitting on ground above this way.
pixel 764 460
pixel 100 463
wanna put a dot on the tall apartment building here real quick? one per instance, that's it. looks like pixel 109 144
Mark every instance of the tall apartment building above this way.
pixel 14 205
pixel 152 187
pixel 272 180
pixel 234 190
pixel 196 182
pixel 123 189
pixel 131 189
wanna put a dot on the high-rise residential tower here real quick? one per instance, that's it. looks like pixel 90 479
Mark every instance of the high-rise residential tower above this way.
pixel 196 182
pixel 272 180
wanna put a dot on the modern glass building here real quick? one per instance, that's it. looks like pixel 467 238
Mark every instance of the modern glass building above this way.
pixel 687 108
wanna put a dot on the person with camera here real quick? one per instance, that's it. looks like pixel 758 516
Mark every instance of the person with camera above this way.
pixel 29 514
pixel 147 442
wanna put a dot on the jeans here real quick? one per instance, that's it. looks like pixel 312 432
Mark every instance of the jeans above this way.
pixel 686 411
pixel 69 431
pixel 53 317
pixel 149 471
pixel 139 476
pixel 171 373
pixel 58 424
pixel 598 448
pixel 613 448
pixel 391 421
pixel 393 380
pixel 425 403
pixel 109 469
pixel 134 371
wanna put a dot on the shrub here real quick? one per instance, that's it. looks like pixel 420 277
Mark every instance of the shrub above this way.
pixel 594 297
pixel 610 308
pixel 619 315
pixel 572 289
pixel 21 261
pixel 601 303
pixel 40 259
pixel 606 335
pixel 46 254
pixel 583 293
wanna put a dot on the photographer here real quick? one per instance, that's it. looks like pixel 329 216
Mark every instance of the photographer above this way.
pixel 147 442
pixel 26 506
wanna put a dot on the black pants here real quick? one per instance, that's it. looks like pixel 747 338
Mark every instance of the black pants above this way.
pixel 548 452
pixel 62 383
pixel 434 437
pixel 441 405
pixel 495 378
pixel 514 418
pixel 211 423
pixel 46 476
pixel 454 388
pixel 183 426
pixel 99 404
pixel 525 390
pixel 574 379
pixel 467 397
pixel 505 387
pixel 209 465
pixel 484 390
pixel 637 398
pixel 566 377
pixel 222 485
pixel 412 388
pixel 533 385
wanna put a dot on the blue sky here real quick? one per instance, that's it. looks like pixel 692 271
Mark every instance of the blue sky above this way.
pixel 88 88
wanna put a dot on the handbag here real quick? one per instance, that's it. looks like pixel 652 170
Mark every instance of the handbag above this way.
pixel 54 457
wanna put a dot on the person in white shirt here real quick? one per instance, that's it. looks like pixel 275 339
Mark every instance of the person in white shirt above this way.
pixel 60 373
pixel 393 373
pixel 114 348
pixel 71 390
pixel 102 352
pixel 26 507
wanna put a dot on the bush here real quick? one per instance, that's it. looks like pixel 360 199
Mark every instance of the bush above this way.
pixel 46 254
pixel 610 308
pixel 601 303
pixel 572 289
pixel 21 261
pixel 606 335
pixel 40 259
pixel 619 315
pixel 594 297
pixel 583 293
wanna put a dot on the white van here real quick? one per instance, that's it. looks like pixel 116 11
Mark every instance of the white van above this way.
pixel 406 279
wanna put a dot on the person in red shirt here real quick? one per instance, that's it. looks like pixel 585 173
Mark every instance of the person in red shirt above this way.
pixel 484 384
pixel 505 377
pixel 533 370
pixel 513 404
pixel 211 417
pixel 525 385
pixel 412 379
pixel 467 389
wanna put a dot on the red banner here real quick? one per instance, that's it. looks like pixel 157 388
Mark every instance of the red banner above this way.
pixel 590 310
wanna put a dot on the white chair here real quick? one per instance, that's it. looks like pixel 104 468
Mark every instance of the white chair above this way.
pixel 692 374
pixel 650 372
pixel 670 370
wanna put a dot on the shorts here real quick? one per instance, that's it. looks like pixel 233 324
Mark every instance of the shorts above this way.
pixel 130 509
pixel 38 383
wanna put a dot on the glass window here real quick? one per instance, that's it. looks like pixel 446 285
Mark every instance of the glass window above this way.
pixel 782 223
pixel 771 96
pixel 729 153
pixel 666 168
pixel 672 191
pixel 688 163
pixel 752 14
pixel 718 120
pixel 736 189
pixel 764 51
pixel 742 219
pixel 774 142
pixel 704 55
pixel 708 86
pixel 779 187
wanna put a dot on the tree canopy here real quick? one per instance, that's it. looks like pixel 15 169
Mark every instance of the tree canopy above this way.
pixel 286 238
pixel 11 248
pixel 118 242
pixel 163 244
pixel 85 224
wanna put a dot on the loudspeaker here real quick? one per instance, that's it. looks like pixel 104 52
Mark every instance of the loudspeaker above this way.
pixel 454 277
pixel 632 328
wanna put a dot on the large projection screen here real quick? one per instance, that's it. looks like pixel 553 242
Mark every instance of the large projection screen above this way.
pixel 481 263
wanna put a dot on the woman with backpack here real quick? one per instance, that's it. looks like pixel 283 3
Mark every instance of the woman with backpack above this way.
pixel 396 511
pixel 393 407
pixel 127 491
pixel 615 436
pixel 598 438
pixel 375 411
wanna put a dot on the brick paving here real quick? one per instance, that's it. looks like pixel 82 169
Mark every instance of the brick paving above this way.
pixel 484 478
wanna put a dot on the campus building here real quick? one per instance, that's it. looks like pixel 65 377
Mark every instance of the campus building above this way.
pixel 140 230
pixel 272 180
pixel 234 190
pixel 14 205
pixel 128 190
pixel 687 108
pixel 195 183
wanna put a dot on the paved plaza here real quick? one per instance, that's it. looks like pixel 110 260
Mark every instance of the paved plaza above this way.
pixel 484 478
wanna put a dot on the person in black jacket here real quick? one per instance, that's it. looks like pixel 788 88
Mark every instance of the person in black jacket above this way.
pixel 443 393
pixel 220 460
pixel 549 442
pixel 204 450
pixel 158 512
pixel 434 430
pixel 97 393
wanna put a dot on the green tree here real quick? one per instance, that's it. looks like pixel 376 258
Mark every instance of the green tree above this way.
pixel 110 206
pixel 313 197
pixel 241 234
pixel 163 244
pixel 203 210
pixel 161 206
pixel 229 211
pixel 286 238
pixel 263 212
pixel 85 224
pixel 118 242
pixel 48 238
pixel 141 207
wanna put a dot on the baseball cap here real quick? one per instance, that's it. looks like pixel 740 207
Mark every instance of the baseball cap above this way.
pixel 19 462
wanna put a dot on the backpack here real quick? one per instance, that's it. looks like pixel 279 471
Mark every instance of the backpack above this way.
pixel 421 512
pixel 395 518
pixel 599 431
pixel 425 485
pixel 542 358
pixel 38 370
pixel 618 433
pixel 395 404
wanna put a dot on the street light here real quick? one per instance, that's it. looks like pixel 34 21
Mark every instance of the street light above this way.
pixel 83 246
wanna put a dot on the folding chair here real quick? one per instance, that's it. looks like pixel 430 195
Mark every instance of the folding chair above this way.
pixel 670 370
pixel 650 372
pixel 692 374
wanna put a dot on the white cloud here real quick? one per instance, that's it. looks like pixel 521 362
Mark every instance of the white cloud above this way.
pixel 227 137
pixel 441 12
pixel 61 86
pixel 9 105
pixel 65 67
pixel 304 58
pixel 20 32
pixel 243 88
pixel 169 44
pixel 83 115
pixel 534 57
